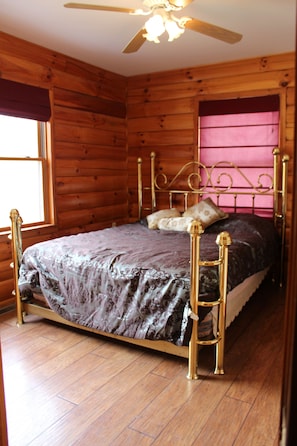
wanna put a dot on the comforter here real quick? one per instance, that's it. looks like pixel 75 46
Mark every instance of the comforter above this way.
pixel 133 281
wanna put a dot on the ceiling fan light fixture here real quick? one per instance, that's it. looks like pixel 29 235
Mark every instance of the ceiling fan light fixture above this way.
pixel 173 29
pixel 160 22
pixel 162 19
pixel 154 28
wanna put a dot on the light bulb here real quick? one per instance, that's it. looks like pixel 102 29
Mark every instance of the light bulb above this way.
pixel 154 27
pixel 174 31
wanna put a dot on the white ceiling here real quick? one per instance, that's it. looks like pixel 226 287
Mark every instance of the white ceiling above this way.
pixel 98 37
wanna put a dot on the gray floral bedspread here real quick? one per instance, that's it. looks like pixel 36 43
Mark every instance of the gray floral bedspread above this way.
pixel 133 281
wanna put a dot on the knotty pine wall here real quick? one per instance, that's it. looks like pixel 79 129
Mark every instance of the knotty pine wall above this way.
pixel 103 122
pixel 88 138
pixel 162 109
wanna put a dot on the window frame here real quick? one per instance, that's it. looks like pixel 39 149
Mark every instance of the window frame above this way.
pixel 44 130
pixel 244 94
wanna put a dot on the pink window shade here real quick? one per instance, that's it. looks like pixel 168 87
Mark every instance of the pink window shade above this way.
pixel 246 140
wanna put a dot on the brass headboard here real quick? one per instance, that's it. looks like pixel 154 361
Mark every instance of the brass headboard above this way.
pixel 195 181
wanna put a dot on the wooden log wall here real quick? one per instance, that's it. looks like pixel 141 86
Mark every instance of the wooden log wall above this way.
pixel 88 137
pixel 162 110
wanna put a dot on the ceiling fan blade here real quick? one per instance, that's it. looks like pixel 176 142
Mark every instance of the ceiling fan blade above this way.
pixel 136 42
pixel 99 7
pixel 180 3
pixel 212 30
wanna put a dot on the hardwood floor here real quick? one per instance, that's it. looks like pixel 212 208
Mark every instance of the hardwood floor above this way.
pixel 63 387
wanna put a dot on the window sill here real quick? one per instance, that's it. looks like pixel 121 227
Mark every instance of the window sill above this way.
pixel 32 231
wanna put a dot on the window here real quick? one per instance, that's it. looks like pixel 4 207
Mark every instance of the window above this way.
pixel 243 132
pixel 22 169
pixel 24 152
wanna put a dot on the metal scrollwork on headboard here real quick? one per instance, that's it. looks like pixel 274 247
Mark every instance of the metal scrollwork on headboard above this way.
pixel 259 186
pixel 162 182
pixel 213 179
pixel 222 178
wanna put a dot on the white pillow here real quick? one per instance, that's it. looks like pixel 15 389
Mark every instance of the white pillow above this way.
pixel 206 212
pixel 175 223
pixel 154 218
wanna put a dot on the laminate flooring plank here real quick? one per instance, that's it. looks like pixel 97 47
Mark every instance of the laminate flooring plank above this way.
pixel 261 426
pixel 190 419
pixel 77 422
pixel 151 420
pixel 28 374
pixel 129 437
pixel 105 373
pixel 248 383
pixel 224 423
pixel 123 411
pixel 25 425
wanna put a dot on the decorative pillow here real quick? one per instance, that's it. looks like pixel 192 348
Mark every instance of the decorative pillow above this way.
pixel 175 223
pixel 206 212
pixel 153 219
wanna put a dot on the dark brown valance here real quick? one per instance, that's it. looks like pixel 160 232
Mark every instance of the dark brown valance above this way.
pixel 240 105
pixel 24 101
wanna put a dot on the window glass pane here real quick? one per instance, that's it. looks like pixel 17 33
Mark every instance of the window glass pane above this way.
pixel 18 137
pixel 28 200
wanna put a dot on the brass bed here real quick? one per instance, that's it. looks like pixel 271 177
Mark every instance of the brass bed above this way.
pixel 193 184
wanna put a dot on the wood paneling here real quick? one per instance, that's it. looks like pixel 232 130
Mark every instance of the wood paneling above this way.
pixel 162 109
pixel 88 140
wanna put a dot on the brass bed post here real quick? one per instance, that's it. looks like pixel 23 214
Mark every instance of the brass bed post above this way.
pixel 276 154
pixel 139 187
pixel 16 223
pixel 280 202
pixel 285 162
pixel 153 191
pixel 223 240
pixel 195 231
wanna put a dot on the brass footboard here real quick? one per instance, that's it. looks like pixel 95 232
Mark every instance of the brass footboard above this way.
pixel 223 240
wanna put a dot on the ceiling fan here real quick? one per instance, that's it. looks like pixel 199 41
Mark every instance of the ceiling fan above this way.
pixel 162 19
